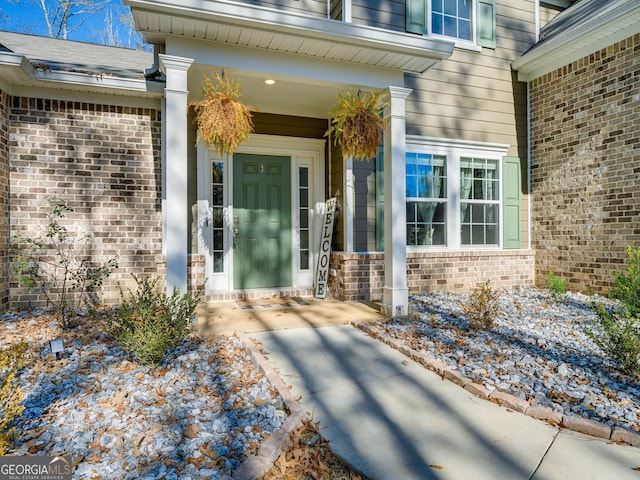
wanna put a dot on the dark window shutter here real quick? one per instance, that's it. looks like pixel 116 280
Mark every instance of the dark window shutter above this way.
pixel 511 187
pixel 486 23
pixel 416 16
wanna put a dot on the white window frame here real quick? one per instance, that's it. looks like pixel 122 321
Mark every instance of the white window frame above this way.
pixel 459 43
pixel 454 150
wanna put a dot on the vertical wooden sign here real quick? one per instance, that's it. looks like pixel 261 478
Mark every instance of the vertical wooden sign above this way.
pixel 325 248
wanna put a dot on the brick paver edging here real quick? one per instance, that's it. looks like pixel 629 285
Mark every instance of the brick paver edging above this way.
pixel 570 422
pixel 257 466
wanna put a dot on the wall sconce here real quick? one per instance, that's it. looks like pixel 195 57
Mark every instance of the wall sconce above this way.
pixel 57 346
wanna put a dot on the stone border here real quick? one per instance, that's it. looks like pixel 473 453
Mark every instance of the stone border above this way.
pixel 257 466
pixel 569 422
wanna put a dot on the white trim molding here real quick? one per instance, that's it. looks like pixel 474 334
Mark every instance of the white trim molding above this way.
pixel 304 152
pixel 454 150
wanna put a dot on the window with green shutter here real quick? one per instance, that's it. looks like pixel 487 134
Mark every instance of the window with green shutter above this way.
pixel 460 195
pixel 454 19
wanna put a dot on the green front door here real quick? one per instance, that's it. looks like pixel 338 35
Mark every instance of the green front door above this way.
pixel 262 221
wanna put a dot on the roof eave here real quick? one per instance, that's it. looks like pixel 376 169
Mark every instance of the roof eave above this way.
pixel 17 70
pixel 156 19
pixel 597 33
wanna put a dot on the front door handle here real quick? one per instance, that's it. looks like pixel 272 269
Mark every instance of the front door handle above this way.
pixel 235 231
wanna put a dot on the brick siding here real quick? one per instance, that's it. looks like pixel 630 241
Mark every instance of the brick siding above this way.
pixel 360 276
pixel 585 162
pixel 4 199
pixel 105 162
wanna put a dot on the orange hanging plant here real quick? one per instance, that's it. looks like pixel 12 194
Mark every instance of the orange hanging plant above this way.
pixel 357 124
pixel 223 120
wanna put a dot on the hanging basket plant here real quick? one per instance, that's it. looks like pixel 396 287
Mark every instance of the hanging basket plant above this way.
pixel 223 120
pixel 357 124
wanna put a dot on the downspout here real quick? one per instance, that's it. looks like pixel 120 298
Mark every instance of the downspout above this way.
pixel 537 17
pixel 537 39
pixel 529 162
pixel 154 70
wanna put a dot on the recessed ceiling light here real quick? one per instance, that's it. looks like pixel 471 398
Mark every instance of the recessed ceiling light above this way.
pixel 269 81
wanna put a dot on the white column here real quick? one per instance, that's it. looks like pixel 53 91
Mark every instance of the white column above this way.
pixel 349 204
pixel 395 291
pixel 174 125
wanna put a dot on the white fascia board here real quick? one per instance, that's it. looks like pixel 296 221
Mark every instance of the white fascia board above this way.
pixel 77 80
pixel 19 75
pixel 457 144
pixel 584 39
pixel 15 69
pixel 300 25
pixel 557 3
pixel 16 60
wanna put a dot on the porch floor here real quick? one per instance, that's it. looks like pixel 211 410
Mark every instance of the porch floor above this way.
pixel 258 316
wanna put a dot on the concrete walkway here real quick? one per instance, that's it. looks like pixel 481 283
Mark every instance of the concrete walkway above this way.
pixel 272 314
pixel 394 420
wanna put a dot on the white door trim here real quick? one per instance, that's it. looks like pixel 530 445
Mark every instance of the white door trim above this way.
pixel 304 152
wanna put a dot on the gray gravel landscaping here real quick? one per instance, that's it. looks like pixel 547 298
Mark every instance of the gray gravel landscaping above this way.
pixel 538 351
pixel 198 415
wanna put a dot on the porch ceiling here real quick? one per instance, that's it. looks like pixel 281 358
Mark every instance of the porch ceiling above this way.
pixel 243 25
pixel 287 96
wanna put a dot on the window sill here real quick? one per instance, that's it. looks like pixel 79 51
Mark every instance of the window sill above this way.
pixel 461 44
pixel 461 249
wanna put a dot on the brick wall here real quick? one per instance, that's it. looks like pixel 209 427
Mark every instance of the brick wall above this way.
pixel 585 161
pixel 360 276
pixel 4 199
pixel 105 162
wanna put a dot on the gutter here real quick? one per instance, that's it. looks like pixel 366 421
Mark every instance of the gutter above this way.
pixel 20 72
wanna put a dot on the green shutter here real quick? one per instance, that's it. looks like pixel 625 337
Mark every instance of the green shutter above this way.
pixel 511 186
pixel 416 16
pixel 487 23
pixel 380 200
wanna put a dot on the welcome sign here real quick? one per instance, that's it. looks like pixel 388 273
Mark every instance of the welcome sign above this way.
pixel 325 248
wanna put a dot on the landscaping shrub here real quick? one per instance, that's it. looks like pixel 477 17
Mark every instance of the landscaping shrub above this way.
pixel 617 331
pixel 11 360
pixel 56 263
pixel 482 307
pixel 627 287
pixel 148 323
pixel 555 284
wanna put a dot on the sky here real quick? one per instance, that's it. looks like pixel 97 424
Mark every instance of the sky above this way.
pixel 25 17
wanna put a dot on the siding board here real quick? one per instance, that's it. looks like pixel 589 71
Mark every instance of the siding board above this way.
pixel 389 15
pixel 317 8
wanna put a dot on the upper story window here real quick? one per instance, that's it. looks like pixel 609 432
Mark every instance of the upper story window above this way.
pixel 452 18
pixel 469 22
